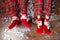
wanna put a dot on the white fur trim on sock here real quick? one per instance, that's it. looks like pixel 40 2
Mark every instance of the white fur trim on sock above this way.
pixel 47 24
pixel 14 18
pixel 47 17
pixel 24 17
pixel 38 16
pixel 39 23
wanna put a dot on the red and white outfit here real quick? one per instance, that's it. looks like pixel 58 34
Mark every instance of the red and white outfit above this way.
pixel 41 7
pixel 11 7
pixel 47 12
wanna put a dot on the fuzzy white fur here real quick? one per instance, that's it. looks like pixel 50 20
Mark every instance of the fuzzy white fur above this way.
pixel 39 23
pixel 24 17
pixel 47 24
pixel 14 18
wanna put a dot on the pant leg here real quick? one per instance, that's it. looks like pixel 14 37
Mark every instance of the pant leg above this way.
pixel 47 12
pixel 23 5
pixel 23 12
pixel 38 4
pixel 11 11
pixel 10 8
pixel 47 7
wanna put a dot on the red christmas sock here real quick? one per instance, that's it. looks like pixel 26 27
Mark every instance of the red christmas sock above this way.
pixel 46 30
pixel 24 20
pixel 14 22
pixel 39 30
pixel 12 25
pixel 39 25
pixel 47 25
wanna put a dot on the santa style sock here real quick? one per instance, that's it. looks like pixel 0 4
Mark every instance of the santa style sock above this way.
pixel 47 11
pixel 47 25
pixel 13 22
pixel 46 30
pixel 39 29
pixel 24 20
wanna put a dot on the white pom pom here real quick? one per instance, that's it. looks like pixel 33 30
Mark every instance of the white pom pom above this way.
pixel 47 17
pixel 38 16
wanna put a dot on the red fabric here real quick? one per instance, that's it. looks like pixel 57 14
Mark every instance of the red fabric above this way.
pixel 37 7
pixel 19 22
pixel 12 9
pixel 19 0
pixel 40 0
pixel 36 1
pixel 39 19
pixel 12 0
pixel 12 25
pixel 22 7
pixel 47 20
pixel 14 14
pixel 23 13
pixel 46 30
pixel 24 21
pixel 48 4
pixel 39 30
pixel 38 10
pixel 48 10
pixel 7 3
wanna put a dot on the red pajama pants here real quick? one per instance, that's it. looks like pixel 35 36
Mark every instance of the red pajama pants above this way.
pixel 42 7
